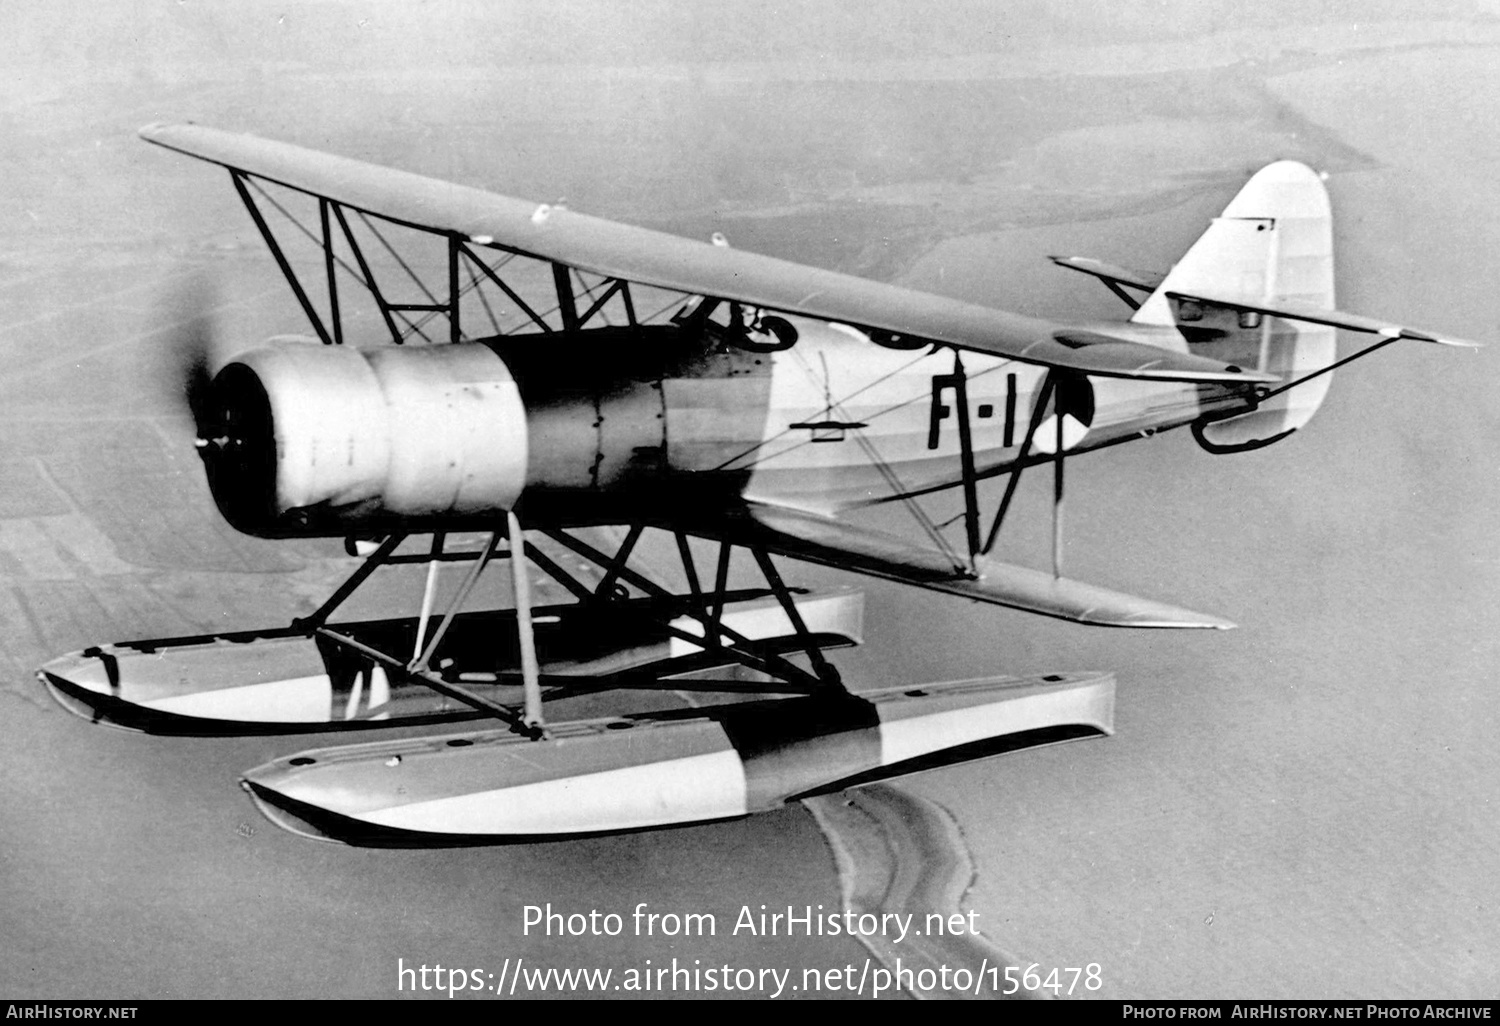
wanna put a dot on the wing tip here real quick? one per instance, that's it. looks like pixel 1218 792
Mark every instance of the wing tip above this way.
pixel 157 130
pixel 1441 340
pixel 1184 619
pixel 1217 623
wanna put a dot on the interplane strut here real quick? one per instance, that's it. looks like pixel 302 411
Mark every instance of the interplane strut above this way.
pixel 466 271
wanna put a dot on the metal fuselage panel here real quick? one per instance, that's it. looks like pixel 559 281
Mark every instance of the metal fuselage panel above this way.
pixel 908 404
pixel 625 423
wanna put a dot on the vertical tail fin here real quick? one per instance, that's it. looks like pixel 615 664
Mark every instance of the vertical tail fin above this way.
pixel 1273 242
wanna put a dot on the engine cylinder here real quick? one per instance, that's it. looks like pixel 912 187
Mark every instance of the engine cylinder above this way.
pixel 313 439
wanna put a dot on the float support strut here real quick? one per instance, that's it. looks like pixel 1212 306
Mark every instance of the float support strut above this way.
pixel 520 576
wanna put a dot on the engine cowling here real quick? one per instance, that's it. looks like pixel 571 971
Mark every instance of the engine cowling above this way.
pixel 324 440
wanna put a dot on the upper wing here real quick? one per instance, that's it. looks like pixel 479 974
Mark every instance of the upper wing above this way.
pixel 831 542
pixel 653 258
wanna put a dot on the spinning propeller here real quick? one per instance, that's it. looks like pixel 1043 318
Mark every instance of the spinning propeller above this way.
pixel 191 352
pixel 231 431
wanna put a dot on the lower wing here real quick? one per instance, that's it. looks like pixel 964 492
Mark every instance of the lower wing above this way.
pixel 832 542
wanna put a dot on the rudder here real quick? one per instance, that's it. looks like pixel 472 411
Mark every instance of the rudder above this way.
pixel 1273 242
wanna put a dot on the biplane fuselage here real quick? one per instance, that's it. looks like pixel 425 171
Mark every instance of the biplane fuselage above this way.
pixel 615 425
pixel 826 424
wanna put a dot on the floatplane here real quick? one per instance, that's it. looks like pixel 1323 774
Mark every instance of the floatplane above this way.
pixel 549 386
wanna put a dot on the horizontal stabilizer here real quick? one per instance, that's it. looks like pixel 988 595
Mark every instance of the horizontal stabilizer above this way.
pixel 1317 315
pixel 1146 281
pixel 831 542
pixel 1152 363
